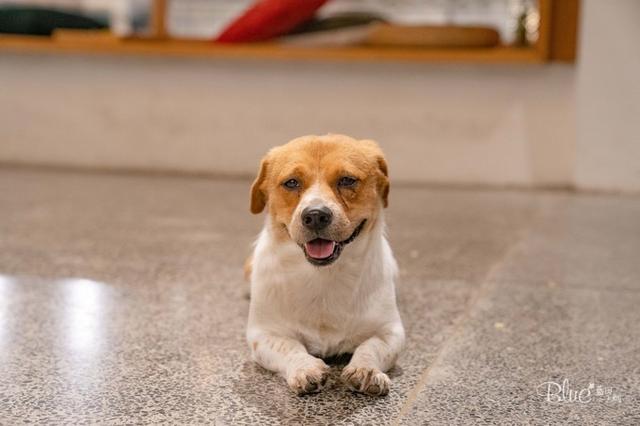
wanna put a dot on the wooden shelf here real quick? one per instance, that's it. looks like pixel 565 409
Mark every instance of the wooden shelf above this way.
pixel 101 43
pixel 556 42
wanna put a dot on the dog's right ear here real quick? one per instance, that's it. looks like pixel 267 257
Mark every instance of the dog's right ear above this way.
pixel 384 180
pixel 258 194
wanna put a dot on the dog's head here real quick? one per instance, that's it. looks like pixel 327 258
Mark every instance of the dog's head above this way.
pixel 322 192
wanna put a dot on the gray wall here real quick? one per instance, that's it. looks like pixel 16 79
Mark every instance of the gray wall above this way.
pixel 438 123
pixel 526 125
pixel 608 144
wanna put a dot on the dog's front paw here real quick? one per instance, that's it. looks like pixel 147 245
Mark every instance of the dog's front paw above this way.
pixel 366 380
pixel 310 378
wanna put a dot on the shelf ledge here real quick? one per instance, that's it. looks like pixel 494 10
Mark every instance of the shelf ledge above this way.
pixel 65 42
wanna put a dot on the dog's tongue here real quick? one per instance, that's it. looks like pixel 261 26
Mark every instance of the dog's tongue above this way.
pixel 319 248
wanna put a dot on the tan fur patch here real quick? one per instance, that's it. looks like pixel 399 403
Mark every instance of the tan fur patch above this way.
pixel 248 266
pixel 320 162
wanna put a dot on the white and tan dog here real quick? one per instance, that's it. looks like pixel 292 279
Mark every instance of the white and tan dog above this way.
pixel 322 272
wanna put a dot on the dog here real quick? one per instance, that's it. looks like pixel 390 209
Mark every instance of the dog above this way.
pixel 322 272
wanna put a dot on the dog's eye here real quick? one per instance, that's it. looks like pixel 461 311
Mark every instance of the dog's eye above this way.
pixel 347 182
pixel 291 184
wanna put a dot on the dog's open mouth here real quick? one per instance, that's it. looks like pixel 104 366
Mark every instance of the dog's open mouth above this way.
pixel 321 252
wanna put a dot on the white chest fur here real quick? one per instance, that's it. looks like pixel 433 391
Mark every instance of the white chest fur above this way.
pixel 330 309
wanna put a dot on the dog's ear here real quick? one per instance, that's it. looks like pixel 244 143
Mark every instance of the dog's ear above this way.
pixel 383 180
pixel 383 170
pixel 258 194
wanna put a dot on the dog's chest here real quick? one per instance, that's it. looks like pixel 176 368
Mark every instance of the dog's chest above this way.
pixel 334 315
pixel 326 332
pixel 331 310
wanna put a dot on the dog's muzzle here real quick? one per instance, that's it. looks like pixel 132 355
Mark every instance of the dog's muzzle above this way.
pixel 321 252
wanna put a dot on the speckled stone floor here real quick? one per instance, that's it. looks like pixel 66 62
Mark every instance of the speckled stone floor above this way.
pixel 122 302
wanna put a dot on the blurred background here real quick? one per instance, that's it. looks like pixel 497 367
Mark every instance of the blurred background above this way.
pixel 122 299
pixel 519 93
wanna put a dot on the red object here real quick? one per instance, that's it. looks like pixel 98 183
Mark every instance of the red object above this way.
pixel 269 18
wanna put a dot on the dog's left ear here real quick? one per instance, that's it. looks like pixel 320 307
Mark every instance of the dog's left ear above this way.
pixel 383 180
pixel 383 170
pixel 258 194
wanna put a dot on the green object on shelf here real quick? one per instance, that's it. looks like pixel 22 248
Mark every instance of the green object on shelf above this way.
pixel 43 21
pixel 521 31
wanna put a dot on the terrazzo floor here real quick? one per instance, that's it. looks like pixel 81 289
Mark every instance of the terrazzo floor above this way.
pixel 122 301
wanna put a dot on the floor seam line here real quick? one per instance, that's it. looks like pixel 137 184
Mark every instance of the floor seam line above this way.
pixel 485 287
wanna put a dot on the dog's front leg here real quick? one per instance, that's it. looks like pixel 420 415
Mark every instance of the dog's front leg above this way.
pixel 303 372
pixel 366 371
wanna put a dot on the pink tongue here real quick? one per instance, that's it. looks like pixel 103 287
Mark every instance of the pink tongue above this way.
pixel 319 248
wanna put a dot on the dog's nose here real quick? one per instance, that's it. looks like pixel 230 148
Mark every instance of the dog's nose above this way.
pixel 316 218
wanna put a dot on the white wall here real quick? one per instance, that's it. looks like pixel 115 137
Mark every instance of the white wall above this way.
pixel 608 144
pixel 438 123
pixel 527 125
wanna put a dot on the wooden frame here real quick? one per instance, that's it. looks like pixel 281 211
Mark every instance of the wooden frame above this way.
pixel 159 19
pixel 564 30
pixel 557 41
